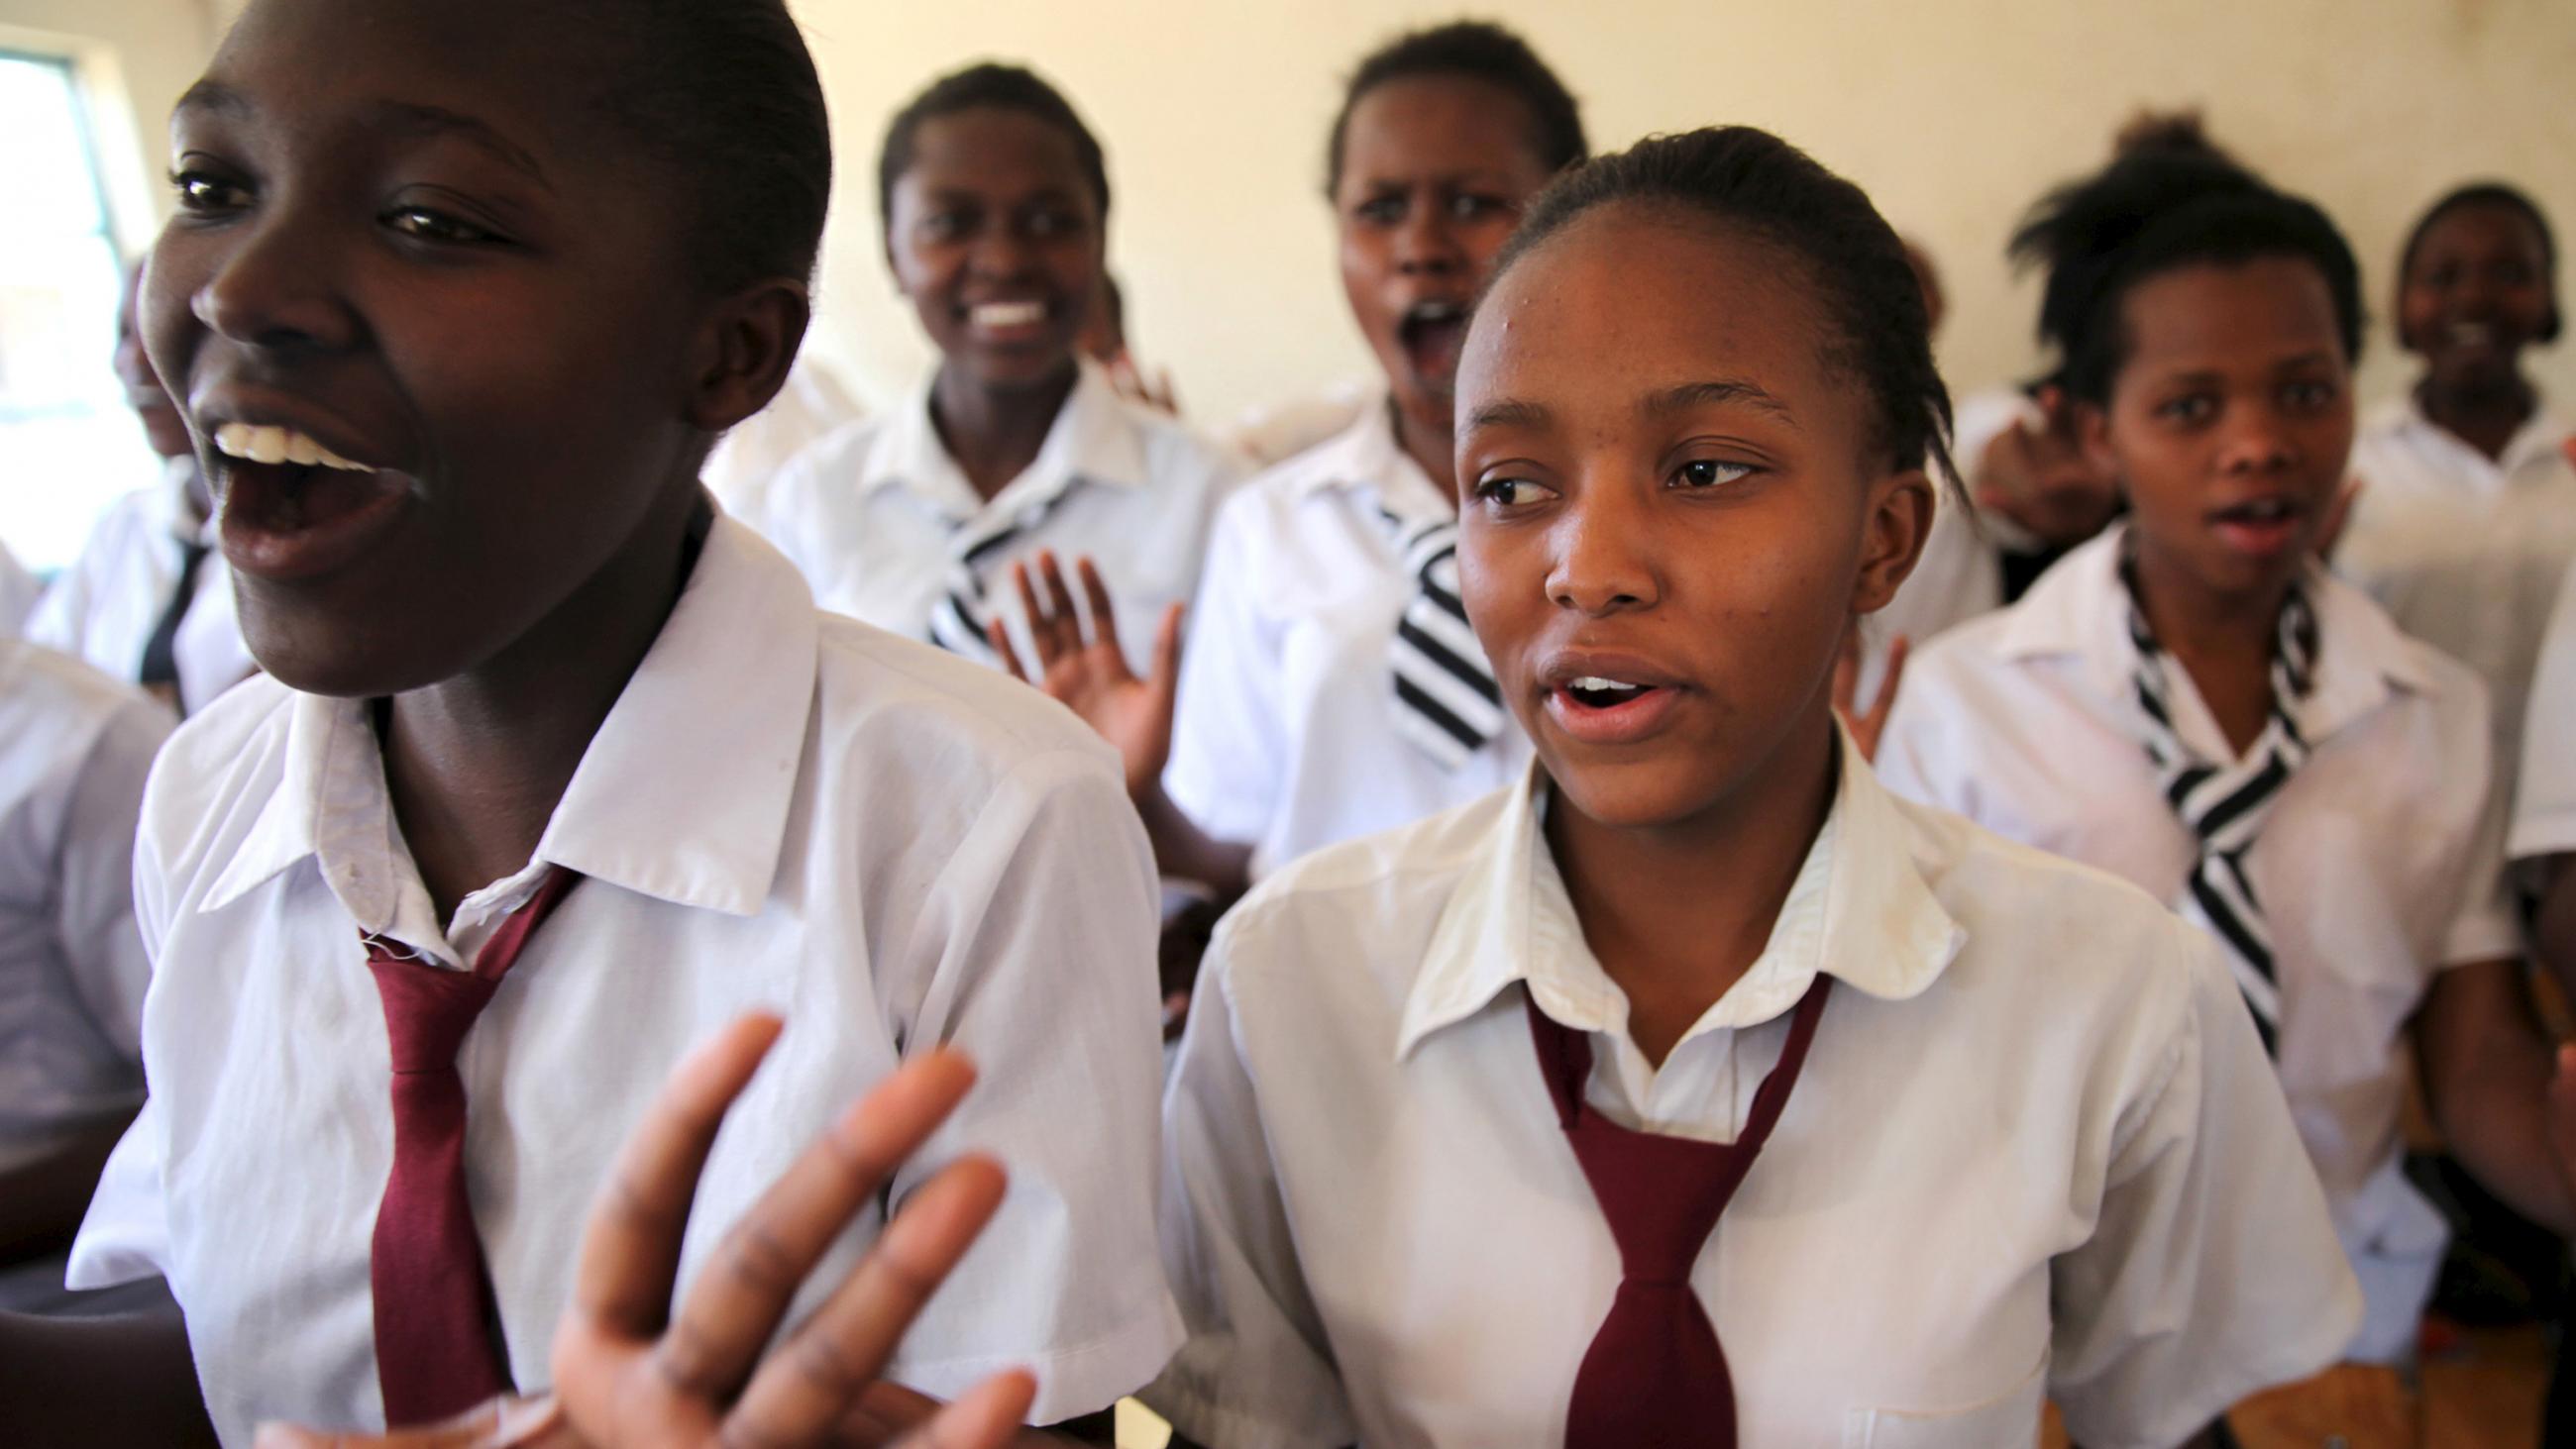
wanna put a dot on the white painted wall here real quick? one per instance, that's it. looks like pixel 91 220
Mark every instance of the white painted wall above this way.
pixel 1955 113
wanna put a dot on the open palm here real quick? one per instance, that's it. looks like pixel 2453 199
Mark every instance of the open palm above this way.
pixel 1086 670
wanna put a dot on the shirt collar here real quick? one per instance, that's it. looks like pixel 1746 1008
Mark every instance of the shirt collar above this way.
pixel 1366 458
pixel 2079 610
pixel 1092 440
pixel 2543 437
pixel 1859 910
pixel 683 794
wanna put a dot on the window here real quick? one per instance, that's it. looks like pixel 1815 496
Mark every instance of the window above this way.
pixel 68 444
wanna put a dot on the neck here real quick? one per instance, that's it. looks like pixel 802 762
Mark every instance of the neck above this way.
pixel 995 433
pixel 2483 413
pixel 1678 912
pixel 477 763
pixel 1432 446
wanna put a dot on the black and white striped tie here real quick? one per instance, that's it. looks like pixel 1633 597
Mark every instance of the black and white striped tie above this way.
pixel 1446 700
pixel 958 616
pixel 2224 806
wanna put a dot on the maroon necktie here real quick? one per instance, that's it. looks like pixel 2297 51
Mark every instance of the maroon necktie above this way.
pixel 437 1344
pixel 1655 1377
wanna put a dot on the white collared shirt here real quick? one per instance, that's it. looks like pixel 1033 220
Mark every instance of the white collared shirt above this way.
pixel 890 847
pixel 105 607
pixel 869 513
pixel 2544 810
pixel 809 407
pixel 2379 866
pixel 2465 551
pixel 18 593
pixel 1286 736
pixel 2035 1150
pixel 74 749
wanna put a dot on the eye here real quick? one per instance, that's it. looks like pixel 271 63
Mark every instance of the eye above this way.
pixel 201 192
pixel 944 226
pixel 2191 409
pixel 1509 494
pixel 1708 473
pixel 1468 206
pixel 2309 396
pixel 1380 210
pixel 1052 222
pixel 425 224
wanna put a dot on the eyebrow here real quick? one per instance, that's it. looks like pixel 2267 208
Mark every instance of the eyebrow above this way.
pixel 208 95
pixel 1719 392
pixel 421 120
pixel 1509 413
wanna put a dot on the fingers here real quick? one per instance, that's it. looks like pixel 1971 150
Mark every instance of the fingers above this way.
pixel 1874 726
pixel 1048 648
pixel 1061 620
pixel 630 1249
pixel 736 1303
pixel 988 1416
pixel 1167 650
pixel 998 635
pixel 1104 614
pixel 814 1380
pixel 505 1423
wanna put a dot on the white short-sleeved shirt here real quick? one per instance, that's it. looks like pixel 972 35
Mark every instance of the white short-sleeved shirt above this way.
pixel 75 746
pixel 105 607
pixel 1273 433
pixel 1286 736
pixel 2378 867
pixel 2464 551
pixel 891 847
pixel 2035 1151
pixel 18 593
pixel 2544 811
pixel 870 513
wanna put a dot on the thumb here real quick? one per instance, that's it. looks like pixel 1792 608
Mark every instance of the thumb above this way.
pixel 1167 651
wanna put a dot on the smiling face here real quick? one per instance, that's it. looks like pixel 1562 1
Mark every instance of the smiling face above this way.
pixel 2475 294
pixel 1434 173
pixel 2229 422
pixel 408 240
pixel 1671 492
pixel 995 236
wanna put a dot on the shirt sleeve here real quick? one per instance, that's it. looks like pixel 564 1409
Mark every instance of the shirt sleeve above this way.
pixel 1227 753
pixel 2544 810
pixel 1256 1371
pixel 94 902
pixel 2213 1270
pixel 1043 927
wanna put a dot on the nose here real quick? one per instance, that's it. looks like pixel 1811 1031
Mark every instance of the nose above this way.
pixel 1424 244
pixel 2258 440
pixel 1000 251
pixel 271 282
pixel 1604 559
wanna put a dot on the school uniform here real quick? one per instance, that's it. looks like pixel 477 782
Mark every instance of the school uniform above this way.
pixel 811 404
pixel 150 599
pixel 1331 686
pixel 18 594
pixel 2031 1151
pixel 784 809
pixel 2544 811
pixel 2465 551
pixel 2373 865
pixel 886 528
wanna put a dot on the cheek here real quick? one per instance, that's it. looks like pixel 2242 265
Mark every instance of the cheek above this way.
pixel 1365 266
pixel 166 327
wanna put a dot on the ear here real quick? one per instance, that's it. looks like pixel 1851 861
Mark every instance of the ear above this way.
pixel 1901 509
pixel 2093 432
pixel 744 348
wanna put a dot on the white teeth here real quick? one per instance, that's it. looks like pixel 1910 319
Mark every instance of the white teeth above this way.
pixel 1436 312
pixel 1006 314
pixel 261 444
pixel 1594 684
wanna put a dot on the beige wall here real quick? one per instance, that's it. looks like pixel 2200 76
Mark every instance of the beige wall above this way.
pixel 1955 113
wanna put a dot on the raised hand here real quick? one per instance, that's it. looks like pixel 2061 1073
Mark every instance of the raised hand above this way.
pixel 629 1370
pixel 2042 480
pixel 1866 725
pixel 1087 671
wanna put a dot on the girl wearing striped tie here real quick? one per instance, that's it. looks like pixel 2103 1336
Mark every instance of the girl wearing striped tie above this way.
pixel 1332 686
pixel 1692 1089
pixel 995 200
pixel 2192 703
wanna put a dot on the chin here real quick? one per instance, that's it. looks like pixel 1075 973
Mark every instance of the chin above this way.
pixel 337 652
pixel 1635 794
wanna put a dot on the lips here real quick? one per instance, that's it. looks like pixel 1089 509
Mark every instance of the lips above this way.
pixel 1608 699
pixel 293 507
pixel 2264 527
pixel 1432 332
pixel 1008 321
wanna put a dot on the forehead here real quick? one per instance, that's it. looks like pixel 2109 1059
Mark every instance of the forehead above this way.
pixel 2481 226
pixel 2219 314
pixel 993 147
pixel 319 69
pixel 1629 298
pixel 1438 125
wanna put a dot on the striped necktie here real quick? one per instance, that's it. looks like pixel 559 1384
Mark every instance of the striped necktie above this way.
pixel 2224 806
pixel 959 614
pixel 1446 701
